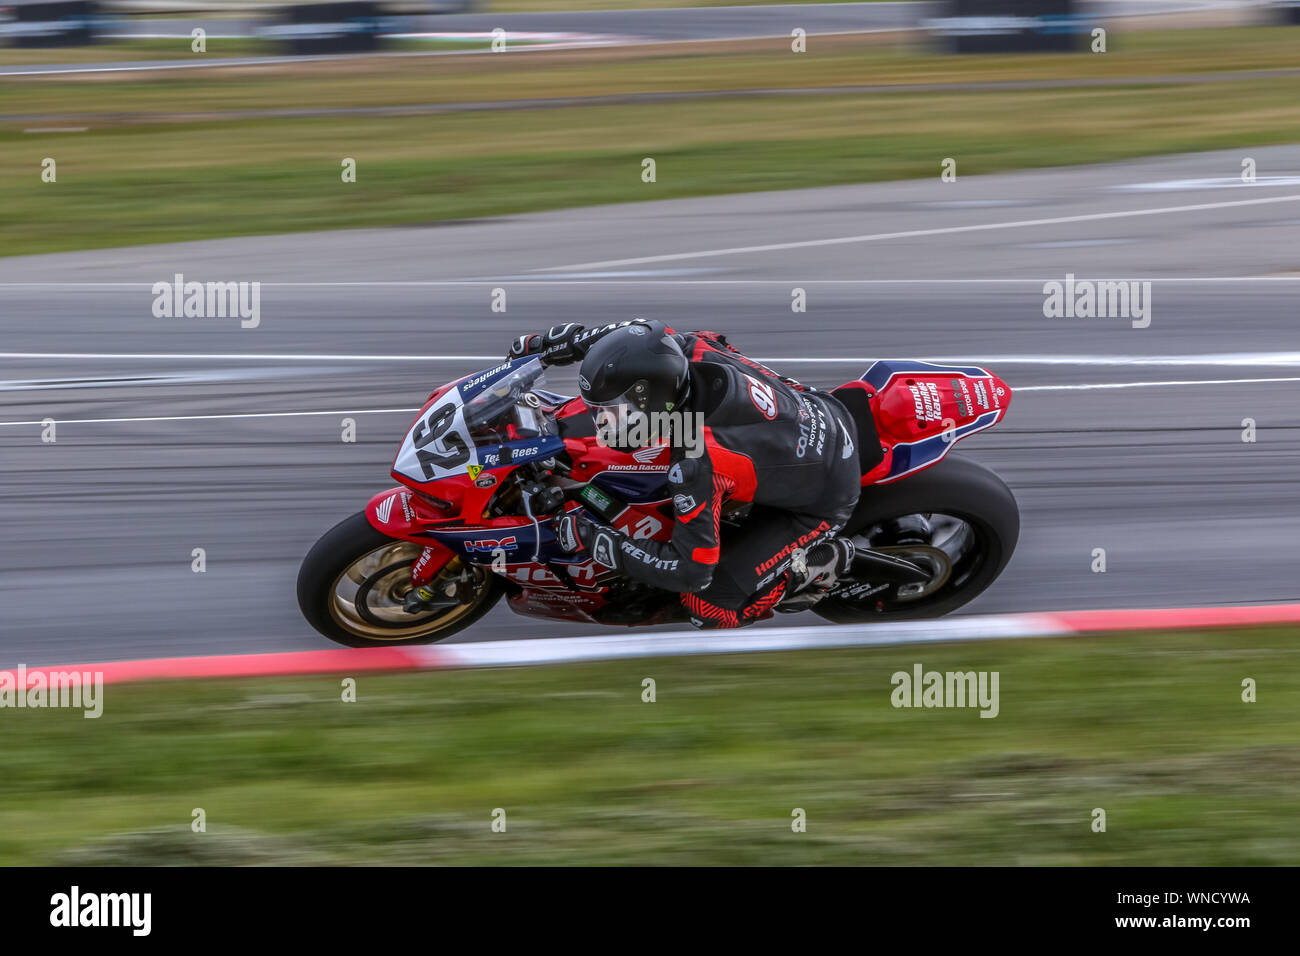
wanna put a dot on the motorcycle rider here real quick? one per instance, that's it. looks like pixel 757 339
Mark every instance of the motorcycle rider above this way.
pixel 782 452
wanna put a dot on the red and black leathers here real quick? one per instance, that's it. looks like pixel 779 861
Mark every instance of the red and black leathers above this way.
pixel 780 448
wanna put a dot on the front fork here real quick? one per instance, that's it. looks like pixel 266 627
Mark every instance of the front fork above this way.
pixel 435 586
pixel 433 559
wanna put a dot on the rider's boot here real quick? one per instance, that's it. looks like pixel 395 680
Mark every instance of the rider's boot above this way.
pixel 813 572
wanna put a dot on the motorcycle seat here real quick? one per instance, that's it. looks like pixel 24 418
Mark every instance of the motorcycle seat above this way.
pixel 853 397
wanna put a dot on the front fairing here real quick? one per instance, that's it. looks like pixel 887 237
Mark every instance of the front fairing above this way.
pixel 473 426
pixel 459 453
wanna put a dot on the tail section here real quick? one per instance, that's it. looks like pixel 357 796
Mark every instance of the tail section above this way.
pixel 921 410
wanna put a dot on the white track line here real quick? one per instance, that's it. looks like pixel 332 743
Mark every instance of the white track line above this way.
pixel 623 279
pixel 1279 359
pixel 917 233
pixel 1102 385
pixel 249 356
pixel 217 63
pixel 200 418
pixel 410 411
pixel 674 643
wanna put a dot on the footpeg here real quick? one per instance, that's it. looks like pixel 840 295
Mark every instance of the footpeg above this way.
pixel 885 568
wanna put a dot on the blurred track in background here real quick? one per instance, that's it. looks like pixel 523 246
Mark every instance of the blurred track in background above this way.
pixel 689 23
pixel 1119 438
pixel 594 28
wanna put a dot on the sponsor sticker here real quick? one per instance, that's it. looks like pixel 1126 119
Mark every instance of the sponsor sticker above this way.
pixel 961 394
pixel 763 396
pixel 925 397
pixel 484 376
pixel 649 453
pixel 490 544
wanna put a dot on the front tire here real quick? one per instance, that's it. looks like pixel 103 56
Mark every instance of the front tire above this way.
pixel 353 580
pixel 972 522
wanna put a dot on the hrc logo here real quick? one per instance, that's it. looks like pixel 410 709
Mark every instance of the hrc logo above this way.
pixel 487 544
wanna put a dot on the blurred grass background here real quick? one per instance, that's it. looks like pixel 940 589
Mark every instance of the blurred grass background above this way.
pixel 1150 727
pixel 133 178
pixel 532 74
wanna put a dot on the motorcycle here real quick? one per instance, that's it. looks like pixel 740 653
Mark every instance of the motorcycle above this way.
pixel 494 458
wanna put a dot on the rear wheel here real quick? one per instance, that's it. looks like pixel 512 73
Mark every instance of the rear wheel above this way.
pixel 956 520
pixel 353 583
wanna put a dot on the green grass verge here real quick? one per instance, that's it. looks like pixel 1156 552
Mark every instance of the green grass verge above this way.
pixel 147 184
pixel 1149 727
pixel 169 181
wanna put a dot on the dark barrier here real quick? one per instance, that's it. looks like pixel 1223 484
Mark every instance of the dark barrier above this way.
pixel 1010 26
pixel 51 23
pixel 1288 12
pixel 350 27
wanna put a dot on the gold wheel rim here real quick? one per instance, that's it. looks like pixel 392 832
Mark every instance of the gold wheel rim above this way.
pixel 367 596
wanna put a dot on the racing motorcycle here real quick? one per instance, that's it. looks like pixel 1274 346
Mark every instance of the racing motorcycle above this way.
pixel 494 458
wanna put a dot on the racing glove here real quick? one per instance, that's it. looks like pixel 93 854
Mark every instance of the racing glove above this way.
pixel 557 345
pixel 525 345
pixel 576 532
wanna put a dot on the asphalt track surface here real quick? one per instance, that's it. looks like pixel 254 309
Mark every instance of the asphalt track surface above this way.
pixel 1100 448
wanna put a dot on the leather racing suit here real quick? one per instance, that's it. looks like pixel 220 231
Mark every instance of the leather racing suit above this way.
pixel 780 452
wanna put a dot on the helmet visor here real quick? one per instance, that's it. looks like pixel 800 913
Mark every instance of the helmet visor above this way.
pixel 622 422
pixel 635 398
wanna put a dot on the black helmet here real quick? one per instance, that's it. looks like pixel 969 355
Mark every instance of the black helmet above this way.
pixel 638 366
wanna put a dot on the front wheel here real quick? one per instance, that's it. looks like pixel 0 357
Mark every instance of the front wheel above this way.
pixel 956 520
pixel 354 581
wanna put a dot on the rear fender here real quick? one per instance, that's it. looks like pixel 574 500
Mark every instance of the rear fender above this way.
pixel 921 410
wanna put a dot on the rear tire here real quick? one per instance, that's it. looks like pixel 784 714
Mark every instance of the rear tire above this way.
pixel 959 489
pixel 351 582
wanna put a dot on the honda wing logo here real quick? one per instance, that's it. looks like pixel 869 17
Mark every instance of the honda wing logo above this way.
pixel 385 508
pixel 648 454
